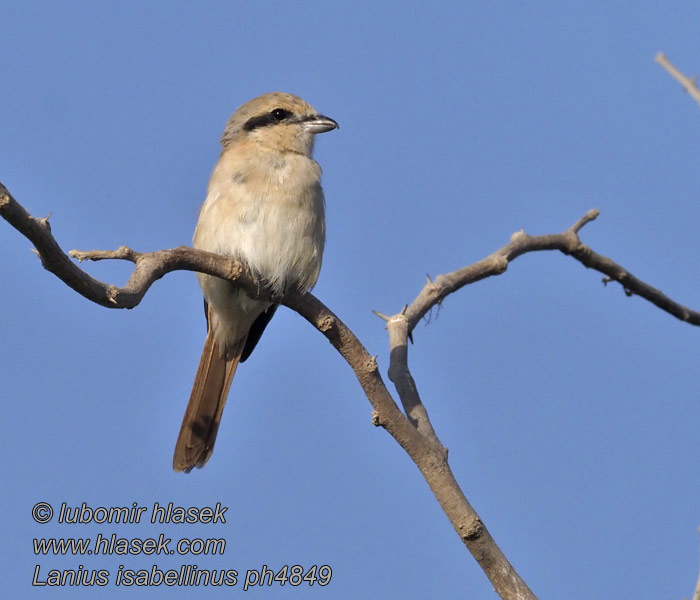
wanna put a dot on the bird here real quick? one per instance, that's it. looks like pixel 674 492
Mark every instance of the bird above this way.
pixel 264 207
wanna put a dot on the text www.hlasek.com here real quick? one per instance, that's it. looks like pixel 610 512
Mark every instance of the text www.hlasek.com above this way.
pixel 119 546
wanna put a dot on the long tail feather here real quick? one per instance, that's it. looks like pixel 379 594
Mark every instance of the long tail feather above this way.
pixel 200 424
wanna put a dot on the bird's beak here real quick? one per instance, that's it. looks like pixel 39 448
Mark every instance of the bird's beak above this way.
pixel 319 123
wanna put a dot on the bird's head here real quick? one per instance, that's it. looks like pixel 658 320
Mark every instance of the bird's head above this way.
pixel 278 121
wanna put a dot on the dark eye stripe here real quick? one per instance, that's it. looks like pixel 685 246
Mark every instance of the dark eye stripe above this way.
pixel 274 116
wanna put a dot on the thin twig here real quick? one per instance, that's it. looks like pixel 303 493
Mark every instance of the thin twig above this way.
pixel 689 83
pixel 521 243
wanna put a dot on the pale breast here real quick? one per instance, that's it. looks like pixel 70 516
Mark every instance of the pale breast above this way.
pixel 269 213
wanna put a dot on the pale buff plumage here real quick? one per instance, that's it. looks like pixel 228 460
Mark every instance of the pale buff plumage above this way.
pixel 265 207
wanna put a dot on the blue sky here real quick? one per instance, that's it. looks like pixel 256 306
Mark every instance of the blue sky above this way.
pixel 570 411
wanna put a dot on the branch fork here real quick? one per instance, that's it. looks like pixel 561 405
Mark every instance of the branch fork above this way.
pixel 411 428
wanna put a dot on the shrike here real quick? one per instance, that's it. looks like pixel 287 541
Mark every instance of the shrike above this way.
pixel 264 207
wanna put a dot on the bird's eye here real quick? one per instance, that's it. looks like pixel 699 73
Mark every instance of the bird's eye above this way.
pixel 268 119
pixel 279 114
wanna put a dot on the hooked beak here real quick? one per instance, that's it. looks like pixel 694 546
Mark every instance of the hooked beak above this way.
pixel 319 124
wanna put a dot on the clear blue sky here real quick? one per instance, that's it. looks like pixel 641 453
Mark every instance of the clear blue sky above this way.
pixel 571 411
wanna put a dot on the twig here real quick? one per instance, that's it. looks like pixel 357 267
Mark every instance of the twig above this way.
pixel 689 84
pixel 567 242
pixel 150 266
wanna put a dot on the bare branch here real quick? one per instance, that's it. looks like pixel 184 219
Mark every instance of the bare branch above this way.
pixel 430 457
pixel 689 84
pixel 434 292
pixel 382 316
pixel 400 375
pixel 428 454
pixel 150 266
pixel 413 432
pixel 521 243
pixel 591 215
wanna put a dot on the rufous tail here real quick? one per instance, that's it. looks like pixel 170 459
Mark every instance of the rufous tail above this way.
pixel 200 424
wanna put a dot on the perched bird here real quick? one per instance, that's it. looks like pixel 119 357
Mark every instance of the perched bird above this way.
pixel 264 207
